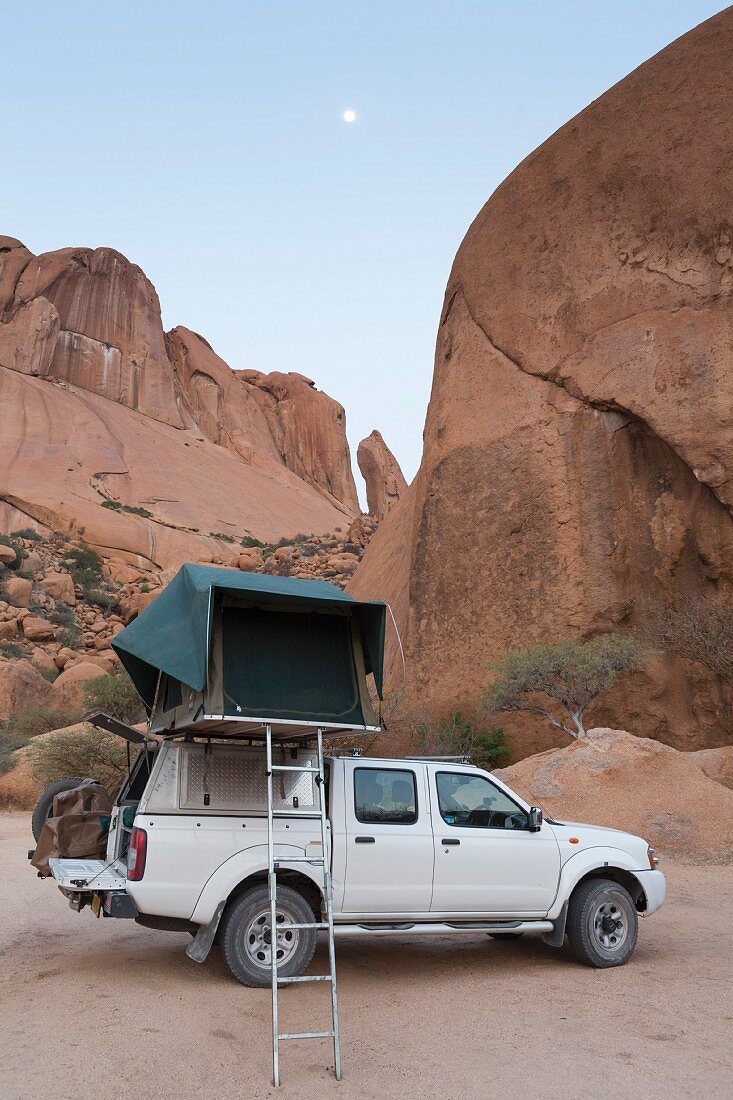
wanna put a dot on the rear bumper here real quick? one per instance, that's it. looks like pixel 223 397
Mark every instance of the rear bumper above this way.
pixel 654 885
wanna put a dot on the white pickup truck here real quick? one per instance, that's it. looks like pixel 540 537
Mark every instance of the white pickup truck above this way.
pixel 417 847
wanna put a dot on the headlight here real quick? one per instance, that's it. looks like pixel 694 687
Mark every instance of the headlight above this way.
pixel 653 857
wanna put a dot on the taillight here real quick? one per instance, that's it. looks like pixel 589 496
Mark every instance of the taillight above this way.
pixel 653 858
pixel 136 854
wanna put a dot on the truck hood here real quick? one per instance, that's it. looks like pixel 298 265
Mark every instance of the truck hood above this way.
pixel 594 836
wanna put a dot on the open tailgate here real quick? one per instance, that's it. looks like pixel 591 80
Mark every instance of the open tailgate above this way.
pixel 89 874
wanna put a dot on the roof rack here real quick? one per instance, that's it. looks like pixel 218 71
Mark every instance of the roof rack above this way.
pixel 441 759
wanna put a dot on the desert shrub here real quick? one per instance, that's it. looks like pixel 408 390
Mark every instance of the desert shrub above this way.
pixel 62 616
pixel 115 695
pixel 85 566
pixel 561 676
pixel 135 510
pixel 223 537
pixel 458 735
pixel 248 541
pixel 29 723
pixel 308 551
pixel 70 636
pixel 8 747
pixel 145 587
pixel 10 651
pixel 20 552
pixel 28 533
pixel 89 752
pixel 101 598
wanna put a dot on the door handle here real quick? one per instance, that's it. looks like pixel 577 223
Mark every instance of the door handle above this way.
pixel 364 840
pixel 450 840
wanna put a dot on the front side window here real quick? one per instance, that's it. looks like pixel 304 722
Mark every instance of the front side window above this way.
pixel 473 802
pixel 385 796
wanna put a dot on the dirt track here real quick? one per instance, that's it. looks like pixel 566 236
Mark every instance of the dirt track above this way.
pixel 108 1008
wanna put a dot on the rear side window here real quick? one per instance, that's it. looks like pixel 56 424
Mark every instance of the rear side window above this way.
pixel 385 796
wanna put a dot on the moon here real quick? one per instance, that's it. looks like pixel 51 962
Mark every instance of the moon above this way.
pixel 349 116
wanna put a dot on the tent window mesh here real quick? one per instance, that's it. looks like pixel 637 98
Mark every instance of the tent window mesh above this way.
pixel 289 665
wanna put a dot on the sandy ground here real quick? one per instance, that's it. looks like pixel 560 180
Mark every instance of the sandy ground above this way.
pixel 106 1008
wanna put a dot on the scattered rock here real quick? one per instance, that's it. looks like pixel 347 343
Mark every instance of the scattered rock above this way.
pixel 36 629
pixel 60 587
pixel 8 556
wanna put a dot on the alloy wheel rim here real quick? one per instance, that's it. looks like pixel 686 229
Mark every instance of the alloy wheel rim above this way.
pixel 610 925
pixel 258 940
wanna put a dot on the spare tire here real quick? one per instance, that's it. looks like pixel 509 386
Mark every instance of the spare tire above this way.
pixel 44 805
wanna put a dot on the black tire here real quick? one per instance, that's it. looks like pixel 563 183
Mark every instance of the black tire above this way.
pixel 594 907
pixel 245 929
pixel 44 805
pixel 505 935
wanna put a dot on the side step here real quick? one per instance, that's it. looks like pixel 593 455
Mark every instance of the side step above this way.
pixel 442 929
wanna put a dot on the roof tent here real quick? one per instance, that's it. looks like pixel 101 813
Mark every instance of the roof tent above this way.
pixel 221 651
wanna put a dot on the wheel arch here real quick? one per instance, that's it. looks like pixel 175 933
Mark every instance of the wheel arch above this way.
pixel 248 868
pixel 601 862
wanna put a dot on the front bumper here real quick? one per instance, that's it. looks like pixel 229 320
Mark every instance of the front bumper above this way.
pixel 654 885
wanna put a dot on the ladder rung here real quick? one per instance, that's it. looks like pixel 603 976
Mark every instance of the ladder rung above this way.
pixel 307 1035
pixel 301 859
pixel 294 768
pixel 308 978
pixel 296 813
pixel 290 927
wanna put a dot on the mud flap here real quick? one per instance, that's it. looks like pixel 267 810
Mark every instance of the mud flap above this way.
pixel 200 945
pixel 556 938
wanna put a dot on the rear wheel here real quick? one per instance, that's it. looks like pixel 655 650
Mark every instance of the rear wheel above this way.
pixel 246 939
pixel 44 805
pixel 602 923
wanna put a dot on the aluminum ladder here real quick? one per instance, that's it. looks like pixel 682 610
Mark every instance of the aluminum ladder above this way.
pixel 272 869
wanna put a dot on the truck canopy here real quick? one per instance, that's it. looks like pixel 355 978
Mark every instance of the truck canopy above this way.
pixel 227 646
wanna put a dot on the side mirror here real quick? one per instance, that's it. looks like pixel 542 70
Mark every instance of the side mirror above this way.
pixel 534 819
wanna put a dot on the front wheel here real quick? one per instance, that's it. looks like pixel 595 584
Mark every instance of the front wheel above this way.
pixel 246 939
pixel 602 923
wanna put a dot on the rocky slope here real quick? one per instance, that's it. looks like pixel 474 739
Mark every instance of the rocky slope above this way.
pixel 147 444
pixel 578 456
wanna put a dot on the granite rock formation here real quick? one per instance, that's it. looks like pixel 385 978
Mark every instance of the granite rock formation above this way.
pixel 578 448
pixel 385 482
pixel 149 445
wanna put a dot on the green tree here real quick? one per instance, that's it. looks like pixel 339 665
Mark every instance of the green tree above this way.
pixel 458 735
pixel 558 681
pixel 115 695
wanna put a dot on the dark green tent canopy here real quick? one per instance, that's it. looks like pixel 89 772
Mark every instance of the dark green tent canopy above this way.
pixel 255 645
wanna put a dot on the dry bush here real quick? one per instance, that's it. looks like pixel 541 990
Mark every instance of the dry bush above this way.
pixel 697 629
pixel 85 751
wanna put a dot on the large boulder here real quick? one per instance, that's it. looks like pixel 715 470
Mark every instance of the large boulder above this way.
pixel 69 686
pixel 578 449
pixel 385 482
pixel 21 688
pixel 636 784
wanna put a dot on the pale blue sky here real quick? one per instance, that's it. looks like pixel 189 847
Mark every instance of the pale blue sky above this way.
pixel 206 142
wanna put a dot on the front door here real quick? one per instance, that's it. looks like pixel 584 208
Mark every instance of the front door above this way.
pixel 486 859
pixel 389 840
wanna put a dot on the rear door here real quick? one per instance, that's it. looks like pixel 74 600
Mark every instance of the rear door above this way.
pixel 389 839
pixel 486 859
